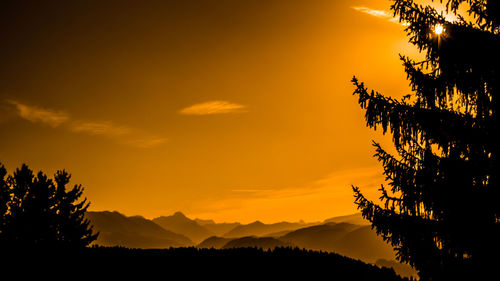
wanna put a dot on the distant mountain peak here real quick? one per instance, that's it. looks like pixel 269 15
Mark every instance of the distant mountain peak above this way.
pixel 204 222
pixel 181 224
pixel 117 229
pixel 179 214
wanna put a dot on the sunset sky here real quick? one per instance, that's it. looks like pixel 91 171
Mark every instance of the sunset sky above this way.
pixel 224 109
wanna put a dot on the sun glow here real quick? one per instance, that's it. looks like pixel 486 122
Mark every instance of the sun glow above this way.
pixel 439 29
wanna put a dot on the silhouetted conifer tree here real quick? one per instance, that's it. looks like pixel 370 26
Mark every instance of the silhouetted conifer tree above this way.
pixel 442 208
pixel 4 201
pixel 38 212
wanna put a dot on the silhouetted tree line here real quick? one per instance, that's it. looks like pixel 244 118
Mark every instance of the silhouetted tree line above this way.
pixel 37 212
pixel 214 264
pixel 441 208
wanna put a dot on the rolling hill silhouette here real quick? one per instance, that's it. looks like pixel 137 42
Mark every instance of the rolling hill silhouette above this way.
pixel 359 242
pixel 363 243
pixel 260 229
pixel 116 229
pixel 264 243
pixel 352 219
pixel 323 237
pixel 181 224
pixel 218 229
pixel 214 242
pixel 279 233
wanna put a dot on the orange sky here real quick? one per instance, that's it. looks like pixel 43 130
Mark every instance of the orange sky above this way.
pixel 229 110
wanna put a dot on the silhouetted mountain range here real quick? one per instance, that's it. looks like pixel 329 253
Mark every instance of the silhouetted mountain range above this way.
pixel 179 223
pixel 352 219
pixel 179 230
pixel 319 237
pixel 214 242
pixel 217 229
pixel 261 229
pixel 363 243
pixel 279 233
pixel 116 229
pixel 352 237
pixel 355 241
pixel 360 242
pixel 265 243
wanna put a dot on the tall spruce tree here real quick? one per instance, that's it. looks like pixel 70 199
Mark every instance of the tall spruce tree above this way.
pixel 39 213
pixel 441 205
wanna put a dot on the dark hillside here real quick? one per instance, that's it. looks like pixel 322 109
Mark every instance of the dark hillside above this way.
pixel 319 237
pixel 257 242
pixel 208 264
pixel 364 243
pixel 261 229
pixel 214 242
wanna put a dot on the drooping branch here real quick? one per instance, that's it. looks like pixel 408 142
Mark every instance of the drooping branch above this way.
pixel 412 124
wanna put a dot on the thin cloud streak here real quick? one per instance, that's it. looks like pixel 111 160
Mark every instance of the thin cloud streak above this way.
pixel 119 133
pixel 147 142
pixel 40 115
pixel 212 107
pixel 377 13
pixel 100 128
pixel 389 16
pixel 326 197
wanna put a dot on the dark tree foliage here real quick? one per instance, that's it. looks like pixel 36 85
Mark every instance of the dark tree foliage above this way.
pixel 37 212
pixel 441 208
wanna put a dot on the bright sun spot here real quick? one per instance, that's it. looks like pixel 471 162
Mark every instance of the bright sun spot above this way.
pixel 438 29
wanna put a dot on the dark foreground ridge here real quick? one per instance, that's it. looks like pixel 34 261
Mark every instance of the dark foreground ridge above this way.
pixel 207 264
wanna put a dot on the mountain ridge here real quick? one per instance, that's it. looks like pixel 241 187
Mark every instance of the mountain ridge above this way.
pixel 332 235
pixel 181 224
pixel 116 229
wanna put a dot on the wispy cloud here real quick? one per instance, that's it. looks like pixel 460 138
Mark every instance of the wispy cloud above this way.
pixel 40 115
pixel 100 128
pixel 377 13
pixel 119 133
pixel 147 142
pixel 212 107
pixel 383 14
